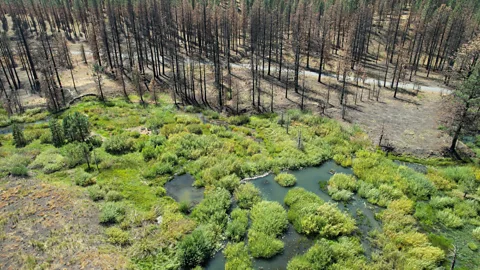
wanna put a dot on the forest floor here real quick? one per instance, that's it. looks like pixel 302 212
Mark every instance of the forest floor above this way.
pixel 52 226
pixel 410 123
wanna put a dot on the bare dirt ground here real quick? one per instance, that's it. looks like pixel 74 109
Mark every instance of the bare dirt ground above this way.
pixel 51 227
pixel 410 122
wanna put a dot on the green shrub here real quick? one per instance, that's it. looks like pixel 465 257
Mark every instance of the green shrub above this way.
pixel 95 141
pixel 56 133
pixel 472 246
pixel 442 202
pixel 149 151
pixel 18 137
pixel 195 129
pixel 76 127
pixel 46 138
pixel 238 120
pixel 425 213
pixel 343 181
pixel 247 195
pixel 19 170
pixel 160 191
pixel 74 154
pixel 466 209
pixel 191 109
pixel 213 208
pixel 449 219
pixel 237 257
pixel 184 207
pixel 295 114
pixel 119 144
pixel 458 174
pixel 158 169
pixel 170 129
pixel 237 227
pixel 319 256
pixel 340 195
pixel 229 182
pixel 211 114
pixel 49 161
pixel 476 233
pixel 112 212
pixel 418 185
pixel 157 140
pixel 196 248
pixel 82 178
pixel 286 179
pixel 311 216
pixel 169 158
pixel 269 218
pixel 186 119
pixel 301 196
pixel 114 196
pixel 262 245
pixel 117 236
pixel 344 160
pixel 7 164
pixel 96 193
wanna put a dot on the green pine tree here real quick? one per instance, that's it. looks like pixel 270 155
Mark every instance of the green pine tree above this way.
pixel 76 127
pixel 58 138
pixel 18 138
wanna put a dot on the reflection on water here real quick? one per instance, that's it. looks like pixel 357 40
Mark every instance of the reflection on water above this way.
pixel 308 178
pixel 181 189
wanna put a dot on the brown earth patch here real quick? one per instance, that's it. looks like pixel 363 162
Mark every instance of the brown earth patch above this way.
pixel 51 227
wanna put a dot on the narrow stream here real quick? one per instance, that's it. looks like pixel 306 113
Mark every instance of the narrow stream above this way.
pixel 8 129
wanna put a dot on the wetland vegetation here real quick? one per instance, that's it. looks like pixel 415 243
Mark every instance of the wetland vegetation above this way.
pixel 169 192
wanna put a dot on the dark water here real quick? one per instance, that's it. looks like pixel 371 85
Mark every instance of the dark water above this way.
pixel 181 189
pixel 295 244
pixel 414 166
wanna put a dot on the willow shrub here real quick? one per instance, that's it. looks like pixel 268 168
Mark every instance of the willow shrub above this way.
pixel 343 181
pixel 286 179
pixel 340 194
pixel 425 213
pixel 229 182
pixel 309 215
pixel 237 257
pixel 476 233
pixel 346 253
pixel 247 195
pixel 418 186
pixel 319 256
pixel 213 208
pixel 49 161
pixel 448 218
pixel 262 245
pixel 196 248
pixel 119 144
pixel 112 212
pixel 442 202
pixel 440 182
pixel 237 227
pixel 381 196
pixel 269 220
pixel 400 235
